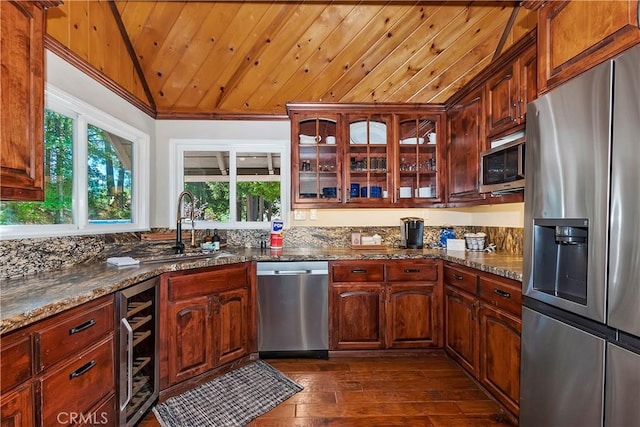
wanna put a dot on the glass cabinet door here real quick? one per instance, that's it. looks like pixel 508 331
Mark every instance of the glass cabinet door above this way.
pixel 367 158
pixel 316 161
pixel 418 160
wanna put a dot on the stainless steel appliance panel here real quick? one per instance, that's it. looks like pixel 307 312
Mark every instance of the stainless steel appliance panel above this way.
pixel 624 245
pixel 293 306
pixel 568 133
pixel 562 371
pixel 623 387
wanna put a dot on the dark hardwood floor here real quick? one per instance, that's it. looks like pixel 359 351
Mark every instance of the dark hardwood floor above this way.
pixel 430 390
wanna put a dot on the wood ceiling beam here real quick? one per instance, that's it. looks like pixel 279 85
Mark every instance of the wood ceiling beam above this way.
pixel 507 31
pixel 132 53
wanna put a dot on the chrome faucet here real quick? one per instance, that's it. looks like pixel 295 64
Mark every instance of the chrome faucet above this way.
pixel 179 247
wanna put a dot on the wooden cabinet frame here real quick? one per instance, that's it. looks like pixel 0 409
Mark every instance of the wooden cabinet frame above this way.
pixel 343 114
pixel 207 320
pixel 483 315
pixel 385 308
pixel 574 36
pixel 22 99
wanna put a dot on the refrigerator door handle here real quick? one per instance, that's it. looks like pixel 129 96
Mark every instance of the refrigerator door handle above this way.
pixel 124 322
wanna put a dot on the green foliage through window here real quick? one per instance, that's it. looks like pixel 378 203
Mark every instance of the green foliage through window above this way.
pixel 57 206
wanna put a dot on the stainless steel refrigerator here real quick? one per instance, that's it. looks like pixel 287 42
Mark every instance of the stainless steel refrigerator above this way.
pixel 581 317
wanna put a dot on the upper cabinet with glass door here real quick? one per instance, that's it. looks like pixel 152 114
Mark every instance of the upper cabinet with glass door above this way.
pixel 315 160
pixel 419 159
pixel 368 177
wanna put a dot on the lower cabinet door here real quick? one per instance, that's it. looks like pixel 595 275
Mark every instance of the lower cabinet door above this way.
pixel 412 316
pixel 231 325
pixel 500 355
pixel 191 333
pixel 357 317
pixel 75 387
pixel 16 407
pixel 461 332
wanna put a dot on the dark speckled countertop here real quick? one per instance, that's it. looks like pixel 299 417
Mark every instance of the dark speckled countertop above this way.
pixel 28 299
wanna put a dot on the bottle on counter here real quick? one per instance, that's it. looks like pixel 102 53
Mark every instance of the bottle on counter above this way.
pixel 216 240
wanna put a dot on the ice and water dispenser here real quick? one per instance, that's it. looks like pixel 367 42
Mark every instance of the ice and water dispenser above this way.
pixel 560 253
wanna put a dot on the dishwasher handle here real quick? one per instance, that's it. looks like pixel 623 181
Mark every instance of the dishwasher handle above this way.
pixel 290 272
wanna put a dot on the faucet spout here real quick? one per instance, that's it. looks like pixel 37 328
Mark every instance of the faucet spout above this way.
pixel 179 247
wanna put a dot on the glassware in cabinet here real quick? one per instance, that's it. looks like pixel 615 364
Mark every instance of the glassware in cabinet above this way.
pixel 368 178
pixel 418 159
pixel 316 157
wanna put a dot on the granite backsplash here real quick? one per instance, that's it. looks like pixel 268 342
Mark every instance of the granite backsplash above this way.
pixel 30 256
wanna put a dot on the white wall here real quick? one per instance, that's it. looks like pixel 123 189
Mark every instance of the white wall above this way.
pixel 68 78
pixel 76 83
pixel 507 215
pixel 163 214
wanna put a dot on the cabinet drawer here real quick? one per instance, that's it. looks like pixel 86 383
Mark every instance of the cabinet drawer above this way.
pixel 15 355
pixel 357 272
pixel 207 282
pixel 414 271
pixel 78 385
pixel 461 278
pixel 507 296
pixel 104 415
pixel 71 332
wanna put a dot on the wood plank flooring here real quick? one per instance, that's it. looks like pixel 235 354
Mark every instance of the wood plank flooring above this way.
pixel 430 390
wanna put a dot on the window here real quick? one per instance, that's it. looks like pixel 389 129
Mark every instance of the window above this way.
pixel 235 184
pixel 95 175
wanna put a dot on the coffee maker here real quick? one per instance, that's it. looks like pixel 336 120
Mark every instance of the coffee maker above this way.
pixel 411 233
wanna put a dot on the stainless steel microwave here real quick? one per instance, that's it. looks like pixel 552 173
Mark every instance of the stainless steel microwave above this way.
pixel 502 167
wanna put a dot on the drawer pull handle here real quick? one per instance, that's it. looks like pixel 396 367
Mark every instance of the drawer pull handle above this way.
pixel 412 270
pixel 81 327
pixel 82 369
pixel 458 276
pixel 502 293
pixel 359 270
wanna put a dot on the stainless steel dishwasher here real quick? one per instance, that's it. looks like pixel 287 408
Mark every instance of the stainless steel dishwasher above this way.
pixel 293 318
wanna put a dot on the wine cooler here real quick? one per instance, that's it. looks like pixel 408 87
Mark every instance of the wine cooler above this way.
pixel 138 350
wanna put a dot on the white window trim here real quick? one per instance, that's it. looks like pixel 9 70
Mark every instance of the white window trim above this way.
pixel 85 114
pixel 176 166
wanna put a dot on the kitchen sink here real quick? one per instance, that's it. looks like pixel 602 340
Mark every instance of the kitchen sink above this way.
pixel 183 257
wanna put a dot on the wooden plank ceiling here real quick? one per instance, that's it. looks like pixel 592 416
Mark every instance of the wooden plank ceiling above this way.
pixel 252 57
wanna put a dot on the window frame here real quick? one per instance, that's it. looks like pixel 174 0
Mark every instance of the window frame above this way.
pixel 178 146
pixel 84 114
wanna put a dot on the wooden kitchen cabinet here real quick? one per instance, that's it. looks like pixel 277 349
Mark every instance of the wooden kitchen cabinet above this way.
pixel 351 155
pixel 508 91
pixel 190 323
pixel 72 351
pixel 500 349
pixel 17 407
pixel 206 320
pixel 466 129
pixel 368 160
pixel 17 397
pixel 461 327
pixel 357 317
pixel 574 36
pixel 388 305
pixel 483 315
pixel 420 160
pixel 22 99
pixel 316 166
pixel 231 325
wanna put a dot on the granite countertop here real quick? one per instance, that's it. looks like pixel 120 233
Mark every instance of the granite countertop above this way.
pixel 28 299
